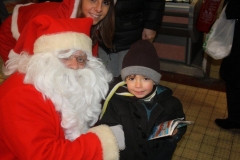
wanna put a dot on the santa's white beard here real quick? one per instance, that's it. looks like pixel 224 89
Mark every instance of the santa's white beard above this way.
pixel 76 94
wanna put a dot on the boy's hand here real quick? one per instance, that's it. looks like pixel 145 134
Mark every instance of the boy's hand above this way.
pixel 175 132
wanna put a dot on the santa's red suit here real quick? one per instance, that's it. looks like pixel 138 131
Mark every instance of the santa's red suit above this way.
pixel 31 128
pixel 47 109
pixel 23 13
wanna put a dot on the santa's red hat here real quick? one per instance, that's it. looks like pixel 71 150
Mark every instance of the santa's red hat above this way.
pixel 46 34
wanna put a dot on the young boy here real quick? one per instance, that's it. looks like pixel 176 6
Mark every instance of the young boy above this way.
pixel 139 103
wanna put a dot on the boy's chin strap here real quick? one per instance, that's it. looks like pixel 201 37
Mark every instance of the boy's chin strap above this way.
pixel 111 94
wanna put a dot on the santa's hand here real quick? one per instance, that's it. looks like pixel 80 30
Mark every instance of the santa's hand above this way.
pixel 119 134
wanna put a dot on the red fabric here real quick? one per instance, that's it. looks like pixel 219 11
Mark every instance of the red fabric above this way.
pixel 95 50
pixel 56 10
pixel 7 42
pixel 45 25
pixel 25 14
pixel 30 127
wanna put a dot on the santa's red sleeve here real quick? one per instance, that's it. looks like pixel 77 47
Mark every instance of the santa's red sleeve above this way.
pixel 30 128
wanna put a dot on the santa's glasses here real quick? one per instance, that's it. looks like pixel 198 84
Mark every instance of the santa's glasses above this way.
pixel 80 56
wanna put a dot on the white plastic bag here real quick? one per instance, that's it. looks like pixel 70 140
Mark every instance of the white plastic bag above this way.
pixel 218 43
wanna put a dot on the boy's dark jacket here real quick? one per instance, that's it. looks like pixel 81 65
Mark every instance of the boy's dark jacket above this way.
pixel 131 114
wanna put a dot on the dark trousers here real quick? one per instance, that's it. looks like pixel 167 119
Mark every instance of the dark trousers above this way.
pixel 233 103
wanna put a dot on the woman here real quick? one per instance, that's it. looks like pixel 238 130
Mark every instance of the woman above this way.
pixel 101 11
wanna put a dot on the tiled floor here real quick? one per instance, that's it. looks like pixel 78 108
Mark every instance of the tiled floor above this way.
pixel 203 101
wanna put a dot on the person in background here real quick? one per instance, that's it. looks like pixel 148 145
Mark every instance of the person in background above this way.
pixel 134 20
pixel 52 97
pixel 101 11
pixel 230 71
pixel 139 103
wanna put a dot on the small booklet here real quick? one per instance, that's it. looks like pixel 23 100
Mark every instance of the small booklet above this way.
pixel 166 128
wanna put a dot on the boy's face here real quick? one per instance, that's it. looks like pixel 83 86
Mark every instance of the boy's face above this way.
pixel 139 85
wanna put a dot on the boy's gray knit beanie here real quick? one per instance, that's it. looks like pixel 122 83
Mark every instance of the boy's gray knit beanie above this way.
pixel 142 59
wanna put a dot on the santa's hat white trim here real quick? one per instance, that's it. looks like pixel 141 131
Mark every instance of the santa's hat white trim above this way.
pixel 63 41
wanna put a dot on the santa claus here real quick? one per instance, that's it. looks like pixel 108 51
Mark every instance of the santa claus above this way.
pixel 52 96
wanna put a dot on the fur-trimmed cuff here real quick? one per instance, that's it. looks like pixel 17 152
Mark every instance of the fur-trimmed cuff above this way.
pixel 108 141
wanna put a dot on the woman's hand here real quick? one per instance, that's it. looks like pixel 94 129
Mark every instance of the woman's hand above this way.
pixel 148 34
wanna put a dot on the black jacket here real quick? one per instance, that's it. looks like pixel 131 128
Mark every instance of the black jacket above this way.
pixel 131 114
pixel 131 16
pixel 230 67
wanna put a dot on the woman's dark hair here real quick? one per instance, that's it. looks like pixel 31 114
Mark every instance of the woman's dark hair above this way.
pixel 104 30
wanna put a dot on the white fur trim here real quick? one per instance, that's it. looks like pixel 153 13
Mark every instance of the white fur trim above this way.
pixel 12 54
pixel 63 41
pixel 13 58
pixel 14 25
pixel 108 141
pixel 75 9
